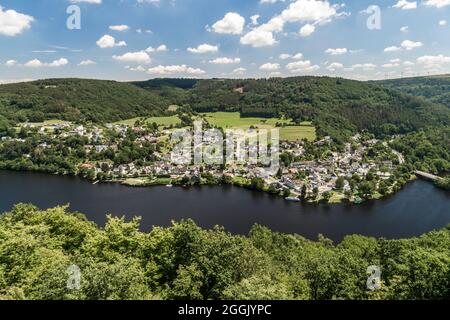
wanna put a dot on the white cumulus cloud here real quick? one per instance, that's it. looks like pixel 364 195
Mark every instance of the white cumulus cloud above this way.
pixel 86 63
pixel 121 27
pixel 258 38
pixel 337 51
pixel 58 63
pixel 302 66
pixel 285 56
pixel 225 60
pixel 307 30
pixel 108 41
pixel 406 45
pixel 232 23
pixel 433 61
pixel 36 63
pixel 269 67
pixel 11 63
pixel 409 45
pixel 437 3
pixel 135 57
pixel 175 69
pixel 335 66
pixel 161 48
pixel 13 23
pixel 312 12
pixel 392 49
pixel 254 19
pixel 204 48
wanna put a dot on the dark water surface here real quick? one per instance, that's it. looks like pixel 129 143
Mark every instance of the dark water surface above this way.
pixel 418 208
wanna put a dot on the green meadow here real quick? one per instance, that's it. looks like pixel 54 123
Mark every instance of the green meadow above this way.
pixel 160 121
pixel 233 120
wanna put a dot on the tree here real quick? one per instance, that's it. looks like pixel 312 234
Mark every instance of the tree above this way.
pixel 327 196
pixel 340 182
pixel 304 191
pixel 366 189
pixel 315 192
pixel 260 287
pixel 188 284
pixel 257 184
pixel 443 183
pixel 184 261
pixel 383 188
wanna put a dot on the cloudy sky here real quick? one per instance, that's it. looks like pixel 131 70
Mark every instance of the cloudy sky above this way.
pixel 141 39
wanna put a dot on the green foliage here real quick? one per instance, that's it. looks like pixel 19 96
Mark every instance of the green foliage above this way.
pixel 77 100
pixel 427 150
pixel 436 89
pixel 444 183
pixel 186 262
pixel 337 107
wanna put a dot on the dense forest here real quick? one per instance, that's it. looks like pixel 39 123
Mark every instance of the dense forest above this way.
pixel 184 261
pixel 434 88
pixel 76 100
pixel 426 150
pixel 338 107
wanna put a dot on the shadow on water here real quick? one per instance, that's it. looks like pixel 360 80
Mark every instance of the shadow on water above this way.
pixel 418 208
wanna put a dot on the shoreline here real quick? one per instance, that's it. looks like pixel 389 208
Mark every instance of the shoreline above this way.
pixel 235 208
pixel 143 182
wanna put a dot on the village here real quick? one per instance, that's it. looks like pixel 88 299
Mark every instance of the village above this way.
pixel 299 176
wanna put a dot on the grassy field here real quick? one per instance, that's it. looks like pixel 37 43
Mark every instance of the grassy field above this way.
pixel 233 120
pixel 161 121
pixel 298 132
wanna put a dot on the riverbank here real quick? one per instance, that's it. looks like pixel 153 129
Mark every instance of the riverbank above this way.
pixel 335 196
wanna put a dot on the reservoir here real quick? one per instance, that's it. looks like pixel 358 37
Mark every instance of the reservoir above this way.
pixel 418 208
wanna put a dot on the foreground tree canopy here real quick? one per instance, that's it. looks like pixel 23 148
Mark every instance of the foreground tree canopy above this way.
pixel 186 262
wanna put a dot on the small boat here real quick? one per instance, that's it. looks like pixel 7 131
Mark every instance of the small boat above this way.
pixel 169 185
pixel 294 199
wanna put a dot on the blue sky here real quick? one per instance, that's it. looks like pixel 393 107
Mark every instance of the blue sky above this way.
pixel 141 39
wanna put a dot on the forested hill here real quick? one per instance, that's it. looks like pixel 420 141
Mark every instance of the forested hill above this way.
pixel 338 107
pixel 182 83
pixel 77 99
pixel 434 88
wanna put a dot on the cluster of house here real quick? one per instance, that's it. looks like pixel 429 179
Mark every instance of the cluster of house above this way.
pixel 315 175
pixel 322 175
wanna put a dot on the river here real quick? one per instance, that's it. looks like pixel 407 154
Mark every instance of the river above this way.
pixel 418 208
